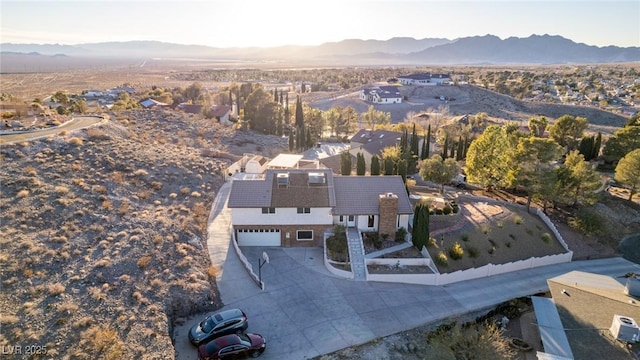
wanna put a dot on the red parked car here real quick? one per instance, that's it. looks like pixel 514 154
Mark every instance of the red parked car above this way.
pixel 234 346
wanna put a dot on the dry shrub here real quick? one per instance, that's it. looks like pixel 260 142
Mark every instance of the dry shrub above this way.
pixel 22 194
pixel 213 270
pixel 55 289
pixel 124 208
pixel 61 190
pixel 96 293
pixel 144 261
pixel 101 340
pixel 6 319
pixel 185 191
pixel 99 189
pixel 107 205
pixel 173 195
pixel 75 141
pixel 196 194
pixel 156 283
pixel 117 177
pixel 156 185
pixel 104 262
pixel 96 134
pixel 141 173
pixel 31 171
pixel 83 322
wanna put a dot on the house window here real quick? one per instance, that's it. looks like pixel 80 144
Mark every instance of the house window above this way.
pixel 304 210
pixel 268 210
pixel 305 235
pixel 370 221
pixel 341 218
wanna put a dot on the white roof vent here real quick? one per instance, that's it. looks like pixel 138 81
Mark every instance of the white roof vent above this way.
pixel 625 329
pixel 632 287
pixel 282 179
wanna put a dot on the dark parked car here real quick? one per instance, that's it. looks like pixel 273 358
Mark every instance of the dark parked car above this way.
pixel 225 322
pixel 235 346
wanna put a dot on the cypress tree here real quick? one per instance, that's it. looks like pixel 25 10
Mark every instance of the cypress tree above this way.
pixel 423 151
pixel 292 144
pixel 445 146
pixel 414 141
pixel 389 166
pixel 428 153
pixel 460 150
pixel 361 166
pixel 299 114
pixel 275 95
pixel 375 165
pixel 420 228
pixel 345 163
pixel 402 169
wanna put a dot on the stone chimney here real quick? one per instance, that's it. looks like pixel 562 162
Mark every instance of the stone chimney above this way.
pixel 388 210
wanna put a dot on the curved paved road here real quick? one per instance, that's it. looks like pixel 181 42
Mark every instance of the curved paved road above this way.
pixel 73 124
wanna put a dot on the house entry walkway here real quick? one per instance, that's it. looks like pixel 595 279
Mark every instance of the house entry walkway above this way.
pixel 356 254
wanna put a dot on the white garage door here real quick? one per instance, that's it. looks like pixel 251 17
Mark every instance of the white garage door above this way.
pixel 262 237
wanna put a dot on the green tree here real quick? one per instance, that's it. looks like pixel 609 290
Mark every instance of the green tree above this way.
pixel 538 125
pixel 439 171
pixel 487 158
pixel 402 169
pixel 390 157
pixel 361 166
pixel 568 130
pixel 621 143
pixel 375 165
pixel 194 93
pixel 634 120
pixel 61 98
pixel 420 228
pixel 373 117
pixel 577 181
pixel 533 159
pixel 345 163
pixel 628 172
pixel 259 111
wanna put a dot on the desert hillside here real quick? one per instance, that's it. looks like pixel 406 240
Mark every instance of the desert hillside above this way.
pixel 104 233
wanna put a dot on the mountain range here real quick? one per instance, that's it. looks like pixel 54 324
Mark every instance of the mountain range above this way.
pixel 487 49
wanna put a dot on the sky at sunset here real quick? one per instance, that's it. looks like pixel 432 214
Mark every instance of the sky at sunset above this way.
pixel 263 23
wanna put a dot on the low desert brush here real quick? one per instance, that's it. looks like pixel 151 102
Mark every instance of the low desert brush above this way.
pixel 456 252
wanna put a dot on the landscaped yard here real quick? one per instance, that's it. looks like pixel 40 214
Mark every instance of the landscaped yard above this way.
pixel 501 234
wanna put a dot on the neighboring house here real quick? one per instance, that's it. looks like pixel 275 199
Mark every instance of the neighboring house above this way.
pixel 601 311
pixel 115 92
pixel 222 113
pixel 297 207
pixel 424 79
pixel 381 95
pixel 292 161
pixel 372 142
pixel 92 93
pixel 191 108
pixel 152 104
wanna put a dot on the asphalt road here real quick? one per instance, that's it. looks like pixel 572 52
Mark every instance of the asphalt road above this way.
pixel 73 124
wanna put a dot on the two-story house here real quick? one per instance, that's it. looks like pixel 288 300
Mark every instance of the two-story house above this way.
pixel 295 207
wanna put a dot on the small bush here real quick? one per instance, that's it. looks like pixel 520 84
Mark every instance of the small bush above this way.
pixel 500 224
pixel 446 210
pixel 441 259
pixel 401 234
pixel 507 244
pixel 75 141
pixel 486 229
pixel 464 237
pixel 492 250
pixel 587 222
pixel 143 261
pixel 473 252
pixel 493 243
pixel 529 231
pixel 156 185
pixel 22 194
pixel 455 208
pixel 456 252
pixel 517 220
pixel 141 173
pixel 185 191
pixel 512 236
pixel 55 289
pixel 432 241
pixel 96 134
pixel 546 237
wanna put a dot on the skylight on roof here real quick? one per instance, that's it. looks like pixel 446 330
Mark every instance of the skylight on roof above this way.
pixel 381 136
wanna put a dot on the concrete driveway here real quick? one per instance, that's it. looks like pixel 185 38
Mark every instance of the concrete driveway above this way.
pixel 305 311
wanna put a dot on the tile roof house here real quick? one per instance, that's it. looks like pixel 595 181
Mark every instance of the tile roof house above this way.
pixel 381 95
pixel 424 79
pixel 221 113
pixel 594 307
pixel 295 207
pixel 152 104
pixel 372 142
